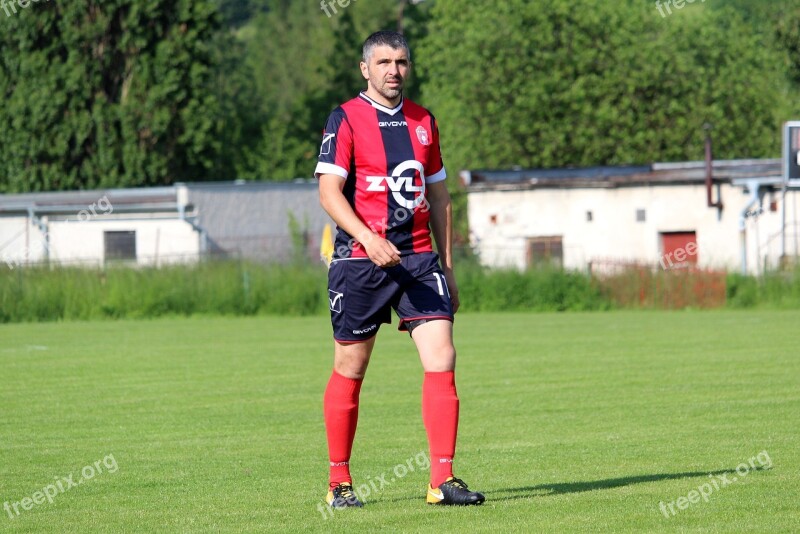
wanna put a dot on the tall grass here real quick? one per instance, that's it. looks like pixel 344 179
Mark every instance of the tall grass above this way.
pixel 775 290
pixel 212 287
pixel 643 287
pixel 244 288
pixel 546 289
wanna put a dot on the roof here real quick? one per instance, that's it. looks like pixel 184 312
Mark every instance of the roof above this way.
pixel 686 173
pixel 66 202
pixel 143 199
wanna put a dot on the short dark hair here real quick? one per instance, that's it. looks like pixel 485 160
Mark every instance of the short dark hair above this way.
pixel 384 38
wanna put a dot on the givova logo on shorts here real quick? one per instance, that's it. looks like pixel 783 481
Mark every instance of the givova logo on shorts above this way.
pixel 398 184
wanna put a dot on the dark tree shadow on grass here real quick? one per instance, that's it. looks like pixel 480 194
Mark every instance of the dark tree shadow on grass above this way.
pixel 544 490
pixel 560 488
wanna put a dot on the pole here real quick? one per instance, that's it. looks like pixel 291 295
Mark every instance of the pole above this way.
pixel 743 240
pixel 782 260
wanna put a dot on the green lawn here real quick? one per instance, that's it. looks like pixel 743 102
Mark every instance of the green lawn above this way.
pixel 569 422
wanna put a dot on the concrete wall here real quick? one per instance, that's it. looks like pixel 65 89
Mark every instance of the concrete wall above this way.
pixel 252 219
pixel 20 241
pixel 72 241
pixel 614 231
pixel 249 220
pixel 158 240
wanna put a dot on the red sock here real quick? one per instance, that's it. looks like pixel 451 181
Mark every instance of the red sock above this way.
pixel 341 418
pixel 440 415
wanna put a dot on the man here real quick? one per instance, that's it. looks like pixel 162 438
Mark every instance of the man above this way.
pixel 381 179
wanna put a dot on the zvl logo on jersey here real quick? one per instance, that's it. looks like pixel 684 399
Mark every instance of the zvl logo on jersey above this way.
pixel 398 184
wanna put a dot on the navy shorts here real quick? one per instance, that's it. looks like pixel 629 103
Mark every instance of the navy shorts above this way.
pixel 362 295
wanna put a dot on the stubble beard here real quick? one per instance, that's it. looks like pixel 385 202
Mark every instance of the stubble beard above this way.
pixel 387 92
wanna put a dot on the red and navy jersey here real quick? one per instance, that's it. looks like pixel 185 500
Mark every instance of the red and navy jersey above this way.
pixel 386 157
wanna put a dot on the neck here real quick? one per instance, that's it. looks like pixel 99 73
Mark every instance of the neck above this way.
pixel 382 100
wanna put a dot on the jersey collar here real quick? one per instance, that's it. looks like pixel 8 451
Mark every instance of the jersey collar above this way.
pixel 389 111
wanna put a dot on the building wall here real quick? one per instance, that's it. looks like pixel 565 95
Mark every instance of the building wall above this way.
pixel 71 241
pixel 20 241
pixel 252 219
pixel 158 240
pixel 614 231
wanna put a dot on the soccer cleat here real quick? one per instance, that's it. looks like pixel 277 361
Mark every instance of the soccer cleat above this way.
pixel 343 496
pixel 454 491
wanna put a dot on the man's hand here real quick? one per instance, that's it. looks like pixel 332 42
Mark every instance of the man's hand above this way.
pixel 450 278
pixel 380 251
pixel 383 253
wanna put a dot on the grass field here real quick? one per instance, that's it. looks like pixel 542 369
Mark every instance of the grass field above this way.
pixel 569 422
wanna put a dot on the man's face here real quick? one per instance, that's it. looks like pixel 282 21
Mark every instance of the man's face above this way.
pixel 387 71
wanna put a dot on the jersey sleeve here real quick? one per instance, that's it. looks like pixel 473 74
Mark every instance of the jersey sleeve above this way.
pixel 435 171
pixel 336 151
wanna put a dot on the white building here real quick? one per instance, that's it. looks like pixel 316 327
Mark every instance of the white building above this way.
pixel 154 226
pixel 657 214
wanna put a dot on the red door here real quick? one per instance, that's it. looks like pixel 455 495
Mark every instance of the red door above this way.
pixel 678 249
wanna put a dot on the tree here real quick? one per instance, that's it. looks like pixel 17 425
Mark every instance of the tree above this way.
pixel 237 13
pixel 306 64
pixel 787 33
pixel 759 13
pixel 107 94
pixel 548 84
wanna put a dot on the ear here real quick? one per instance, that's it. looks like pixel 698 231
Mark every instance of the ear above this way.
pixel 364 70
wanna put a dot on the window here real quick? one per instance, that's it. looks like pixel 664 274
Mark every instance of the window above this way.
pixel 545 251
pixel 640 216
pixel 120 245
pixel 589 216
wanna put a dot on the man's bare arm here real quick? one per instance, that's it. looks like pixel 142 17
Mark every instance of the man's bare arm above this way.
pixel 442 229
pixel 382 252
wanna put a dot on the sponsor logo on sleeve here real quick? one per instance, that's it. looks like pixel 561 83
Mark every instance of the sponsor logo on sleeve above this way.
pixel 327 140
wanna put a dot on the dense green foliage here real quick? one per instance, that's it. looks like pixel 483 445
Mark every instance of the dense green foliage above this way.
pixel 126 92
pixel 234 288
pixel 569 423
pixel 305 65
pixel 111 94
pixel 550 85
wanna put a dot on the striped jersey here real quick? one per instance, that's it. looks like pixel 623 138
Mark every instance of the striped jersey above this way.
pixel 386 157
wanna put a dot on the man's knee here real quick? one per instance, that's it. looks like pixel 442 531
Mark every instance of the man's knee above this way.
pixel 351 359
pixel 434 342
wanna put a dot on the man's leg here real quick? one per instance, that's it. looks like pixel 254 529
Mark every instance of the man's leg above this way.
pixel 434 341
pixel 341 404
